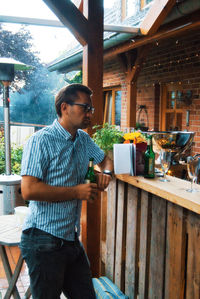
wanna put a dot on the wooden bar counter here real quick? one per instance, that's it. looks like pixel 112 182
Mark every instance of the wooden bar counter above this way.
pixel 150 241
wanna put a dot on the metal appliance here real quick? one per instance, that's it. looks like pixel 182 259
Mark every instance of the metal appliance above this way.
pixel 10 184
pixel 176 141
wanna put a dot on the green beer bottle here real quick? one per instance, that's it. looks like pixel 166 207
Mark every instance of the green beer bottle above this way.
pixel 149 158
pixel 90 175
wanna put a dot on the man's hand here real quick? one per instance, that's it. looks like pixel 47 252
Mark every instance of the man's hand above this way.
pixel 103 181
pixel 86 191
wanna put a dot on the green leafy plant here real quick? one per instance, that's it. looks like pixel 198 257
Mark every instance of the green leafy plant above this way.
pixel 16 157
pixel 107 135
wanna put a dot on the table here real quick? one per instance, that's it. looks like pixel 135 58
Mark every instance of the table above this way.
pixel 10 235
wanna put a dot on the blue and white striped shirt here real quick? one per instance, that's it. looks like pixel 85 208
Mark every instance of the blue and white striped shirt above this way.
pixel 52 156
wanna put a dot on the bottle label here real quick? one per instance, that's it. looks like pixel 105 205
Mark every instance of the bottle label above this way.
pixel 86 181
pixel 151 166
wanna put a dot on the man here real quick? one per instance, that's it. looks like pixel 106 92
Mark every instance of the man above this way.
pixel 54 164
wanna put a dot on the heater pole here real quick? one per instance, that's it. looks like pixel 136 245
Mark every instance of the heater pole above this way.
pixel 6 85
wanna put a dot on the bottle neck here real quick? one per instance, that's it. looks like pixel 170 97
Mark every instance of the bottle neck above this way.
pixel 149 143
pixel 90 164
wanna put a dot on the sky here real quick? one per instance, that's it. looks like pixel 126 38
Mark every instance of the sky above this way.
pixel 49 41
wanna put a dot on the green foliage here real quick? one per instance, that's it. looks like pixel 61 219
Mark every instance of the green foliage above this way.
pixel 107 135
pixel 77 78
pixel 16 157
pixel 18 45
pixel 32 92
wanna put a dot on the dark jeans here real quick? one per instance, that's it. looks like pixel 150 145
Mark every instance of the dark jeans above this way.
pixel 56 266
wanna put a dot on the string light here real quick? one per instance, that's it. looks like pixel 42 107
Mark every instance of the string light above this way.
pixel 178 62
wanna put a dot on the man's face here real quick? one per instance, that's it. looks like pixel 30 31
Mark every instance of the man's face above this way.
pixel 77 116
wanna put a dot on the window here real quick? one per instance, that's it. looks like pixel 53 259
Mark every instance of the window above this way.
pixel 128 8
pixel 144 3
pixel 112 106
pixel 172 108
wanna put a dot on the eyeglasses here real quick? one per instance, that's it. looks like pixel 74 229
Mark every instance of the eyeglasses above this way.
pixel 87 108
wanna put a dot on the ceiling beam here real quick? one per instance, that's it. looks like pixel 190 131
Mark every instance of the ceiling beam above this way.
pixel 156 15
pixel 31 21
pixel 56 23
pixel 71 17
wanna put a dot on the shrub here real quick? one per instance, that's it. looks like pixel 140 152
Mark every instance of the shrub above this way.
pixel 16 157
pixel 107 135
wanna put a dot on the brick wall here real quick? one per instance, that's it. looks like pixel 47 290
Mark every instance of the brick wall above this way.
pixel 171 61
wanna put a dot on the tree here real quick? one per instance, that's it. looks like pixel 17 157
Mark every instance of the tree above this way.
pixel 18 46
pixel 32 92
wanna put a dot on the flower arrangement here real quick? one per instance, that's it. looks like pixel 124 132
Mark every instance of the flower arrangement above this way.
pixel 134 137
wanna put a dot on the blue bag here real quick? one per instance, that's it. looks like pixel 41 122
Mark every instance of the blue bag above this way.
pixel 106 289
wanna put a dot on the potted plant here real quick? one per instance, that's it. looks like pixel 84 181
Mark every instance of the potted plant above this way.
pixel 105 136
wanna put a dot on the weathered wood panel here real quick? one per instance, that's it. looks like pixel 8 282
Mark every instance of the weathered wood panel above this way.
pixel 175 253
pixel 157 250
pixel 111 229
pixel 152 245
pixel 119 261
pixel 145 232
pixel 131 241
pixel 103 231
pixel 193 257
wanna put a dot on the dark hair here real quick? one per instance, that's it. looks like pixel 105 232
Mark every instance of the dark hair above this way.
pixel 69 94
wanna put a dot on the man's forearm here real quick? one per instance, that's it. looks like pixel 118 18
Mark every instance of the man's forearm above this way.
pixel 35 189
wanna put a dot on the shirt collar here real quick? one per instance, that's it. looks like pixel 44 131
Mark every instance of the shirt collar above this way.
pixel 63 131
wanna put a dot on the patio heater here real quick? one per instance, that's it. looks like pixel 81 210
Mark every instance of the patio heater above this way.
pixel 10 191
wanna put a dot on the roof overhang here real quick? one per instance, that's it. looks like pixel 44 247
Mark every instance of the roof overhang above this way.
pixel 122 33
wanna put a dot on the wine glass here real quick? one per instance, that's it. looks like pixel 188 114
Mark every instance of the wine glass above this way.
pixel 165 160
pixel 193 164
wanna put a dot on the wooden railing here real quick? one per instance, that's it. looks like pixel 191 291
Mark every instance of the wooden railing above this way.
pixel 150 245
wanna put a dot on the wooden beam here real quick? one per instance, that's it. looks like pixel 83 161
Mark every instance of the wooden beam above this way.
pixel 131 103
pixel 81 6
pixel 71 17
pixel 93 77
pixel 135 70
pixel 156 15
pixel 131 79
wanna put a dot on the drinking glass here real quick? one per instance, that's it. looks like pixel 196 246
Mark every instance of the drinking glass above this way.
pixel 165 160
pixel 193 170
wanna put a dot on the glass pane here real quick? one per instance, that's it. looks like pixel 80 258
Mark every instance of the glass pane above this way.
pixel 118 108
pixel 130 8
pixel 171 100
pixel 108 112
pixel 148 1
pixel 179 99
pixel 169 121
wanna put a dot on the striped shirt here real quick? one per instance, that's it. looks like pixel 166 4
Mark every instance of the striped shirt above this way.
pixel 52 156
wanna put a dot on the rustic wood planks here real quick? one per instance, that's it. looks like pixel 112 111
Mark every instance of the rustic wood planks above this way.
pixel 175 253
pixel 111 229
pixel 193 257
pixel 132 219
pixel 152 245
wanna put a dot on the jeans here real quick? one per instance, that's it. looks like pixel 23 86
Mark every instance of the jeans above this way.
pixel 56 266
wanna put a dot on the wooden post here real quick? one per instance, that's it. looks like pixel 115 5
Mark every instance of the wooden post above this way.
pixel 93 77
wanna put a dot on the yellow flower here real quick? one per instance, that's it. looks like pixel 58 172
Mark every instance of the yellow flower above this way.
pixel 138 137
